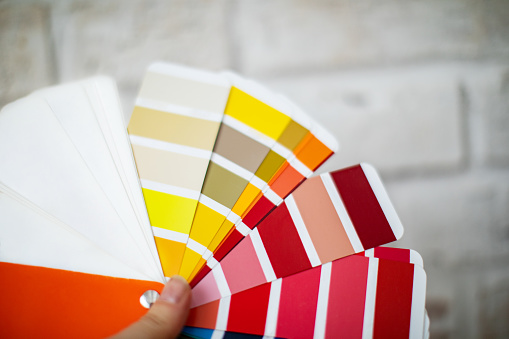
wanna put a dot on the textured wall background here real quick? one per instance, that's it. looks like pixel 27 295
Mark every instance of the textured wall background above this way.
pixel 420 89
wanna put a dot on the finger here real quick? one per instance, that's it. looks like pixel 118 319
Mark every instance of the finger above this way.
pixel 167 315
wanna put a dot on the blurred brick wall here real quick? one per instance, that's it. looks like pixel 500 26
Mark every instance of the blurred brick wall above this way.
pixel 420 89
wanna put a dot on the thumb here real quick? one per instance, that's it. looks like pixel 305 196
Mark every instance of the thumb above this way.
pixel 167 315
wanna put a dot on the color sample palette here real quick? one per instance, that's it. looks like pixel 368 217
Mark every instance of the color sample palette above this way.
pixel 328 217
pixel 277 175
pixel 214 174
pixel 353 297
pixel 172 130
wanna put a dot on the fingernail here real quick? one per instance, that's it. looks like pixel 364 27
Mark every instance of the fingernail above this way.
pixel 174 290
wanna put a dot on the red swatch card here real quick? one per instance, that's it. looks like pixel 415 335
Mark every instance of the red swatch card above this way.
pixel 352 297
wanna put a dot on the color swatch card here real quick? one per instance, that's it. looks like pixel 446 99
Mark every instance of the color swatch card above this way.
pixel 172 130
pixel 214 319
pixel 218 314
pixel 353 297
pixel 328 217
pixel 40 302
pixel 212 179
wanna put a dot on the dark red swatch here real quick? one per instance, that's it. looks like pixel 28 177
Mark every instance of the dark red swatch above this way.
pixel 282 243
pixel 362 206
pixel 393 303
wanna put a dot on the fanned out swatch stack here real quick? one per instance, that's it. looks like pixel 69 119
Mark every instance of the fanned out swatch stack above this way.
pixel 212 181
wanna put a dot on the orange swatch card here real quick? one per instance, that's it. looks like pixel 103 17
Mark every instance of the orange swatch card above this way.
pixel 39 302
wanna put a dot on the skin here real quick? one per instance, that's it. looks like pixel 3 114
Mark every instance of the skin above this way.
pixel 167 315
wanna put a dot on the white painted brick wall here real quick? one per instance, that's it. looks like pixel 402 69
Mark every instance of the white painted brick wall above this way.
pixel 121 38
pixel 398 119
pixel 418 88
pixel 25 50
pixel 487 90
pixel 283 35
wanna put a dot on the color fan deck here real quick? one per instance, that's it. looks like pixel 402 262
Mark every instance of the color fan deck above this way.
pixel 213 180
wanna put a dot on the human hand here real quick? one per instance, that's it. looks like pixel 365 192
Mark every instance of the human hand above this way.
pixel 167 315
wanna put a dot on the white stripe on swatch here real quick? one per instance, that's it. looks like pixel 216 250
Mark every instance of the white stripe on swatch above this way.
pixel 342 212
pixel 170 235
pixel 262 255
pixel 233 217
pixel 383 199
pixel 369 306
pixel 273 197
pixel 214 205
pixel 222 313
pixel 281 150
pixel 273 308
pixel 257 182
pixel 243 229
pixel 417 311
pixel 178 109
pixel 305 238
pixel 221 282
pixel 300 167
pixel 195 246
pixel 248 130
pixel 170 189
pixel 323 301
pixel 211 262
pixel 370 252
pixel 217 334
pixel 232 167
pixel 170 147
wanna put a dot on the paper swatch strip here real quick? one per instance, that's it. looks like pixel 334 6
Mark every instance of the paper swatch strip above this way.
pixel 328 217
pixel 173 129
pixel 27 231
pixel 294 237
pixel 353 297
